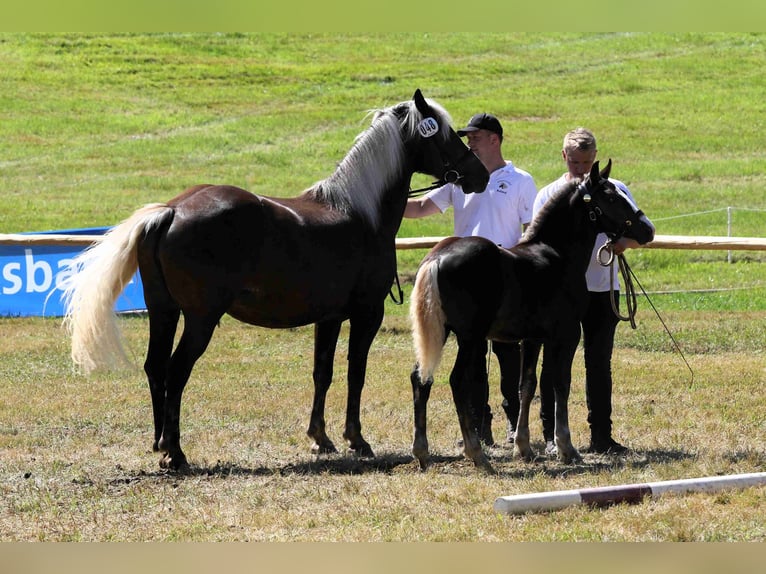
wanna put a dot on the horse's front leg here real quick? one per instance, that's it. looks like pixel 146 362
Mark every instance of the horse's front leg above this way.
pixel 530 351
pixel 421 391
pixel 469 370
pixel 325 341
pixel 560 357
pixel 363 328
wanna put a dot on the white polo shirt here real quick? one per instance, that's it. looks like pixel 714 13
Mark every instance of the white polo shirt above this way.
pixel 498 213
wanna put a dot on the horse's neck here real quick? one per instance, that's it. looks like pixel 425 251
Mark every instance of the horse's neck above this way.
pixel 392 207
pixel 570 234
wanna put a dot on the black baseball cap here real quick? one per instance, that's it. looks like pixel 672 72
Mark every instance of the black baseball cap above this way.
pixel 482 122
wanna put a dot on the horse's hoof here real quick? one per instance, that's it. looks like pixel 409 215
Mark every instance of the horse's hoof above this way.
pixel 327 447
pixel 525 454
pixel 486 467
pixel 175 464
pixel 363 451
pixel 423 463
pixel 569 456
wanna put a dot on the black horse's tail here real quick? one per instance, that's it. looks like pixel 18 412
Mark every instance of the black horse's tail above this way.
pixel 428 320
pixel 95 280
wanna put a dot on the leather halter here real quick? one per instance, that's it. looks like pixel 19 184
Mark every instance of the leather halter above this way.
pixel 451 170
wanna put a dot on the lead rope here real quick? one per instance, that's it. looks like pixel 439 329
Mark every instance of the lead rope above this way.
pixel 630 294
pixel 400 301
pixel 625 271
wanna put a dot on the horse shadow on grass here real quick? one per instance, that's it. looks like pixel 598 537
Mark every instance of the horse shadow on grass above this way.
pixel 508 466
pixel 396 463
pixel 333 464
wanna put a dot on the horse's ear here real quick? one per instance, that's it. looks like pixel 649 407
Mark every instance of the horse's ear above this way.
pixel 607 169
pixel 420 103
pixel 594 171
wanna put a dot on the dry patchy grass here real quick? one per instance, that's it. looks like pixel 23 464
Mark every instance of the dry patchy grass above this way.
pixel 76 461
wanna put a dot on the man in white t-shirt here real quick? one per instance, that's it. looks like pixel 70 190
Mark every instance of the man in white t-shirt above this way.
pixel 500 213
pixel 600 321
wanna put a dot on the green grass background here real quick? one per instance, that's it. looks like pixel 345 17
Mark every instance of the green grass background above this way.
pixel 94 125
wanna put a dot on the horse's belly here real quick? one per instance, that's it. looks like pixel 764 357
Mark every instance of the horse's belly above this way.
pixel 285 309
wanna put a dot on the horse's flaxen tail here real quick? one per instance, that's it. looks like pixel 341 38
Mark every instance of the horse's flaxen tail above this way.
pixel 428 320
pixel 95 280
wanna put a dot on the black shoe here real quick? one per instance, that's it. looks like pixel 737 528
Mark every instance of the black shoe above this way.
pixel 606 446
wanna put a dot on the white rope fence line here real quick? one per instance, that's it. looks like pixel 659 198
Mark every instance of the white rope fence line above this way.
pixel 719 210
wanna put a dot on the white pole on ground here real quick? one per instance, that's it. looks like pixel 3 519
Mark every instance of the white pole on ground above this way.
pixel 631 493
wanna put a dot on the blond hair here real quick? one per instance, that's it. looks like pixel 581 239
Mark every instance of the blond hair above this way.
pixel 580 139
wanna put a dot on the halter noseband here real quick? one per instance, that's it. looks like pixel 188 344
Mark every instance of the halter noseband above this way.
pixel 452 170
pixel 595 212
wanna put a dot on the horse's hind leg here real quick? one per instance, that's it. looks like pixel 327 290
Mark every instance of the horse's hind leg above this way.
pixel 530 352
pixel 362 333
pixel 162 330
pixel 421 391
pixel 468 369
pixel 325 341
pixel 164 313
pixel 198 330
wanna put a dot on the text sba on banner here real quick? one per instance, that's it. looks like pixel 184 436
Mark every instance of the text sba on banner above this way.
pixel 31 275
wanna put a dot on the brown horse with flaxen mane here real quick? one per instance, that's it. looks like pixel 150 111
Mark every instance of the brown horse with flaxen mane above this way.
pixel 323 257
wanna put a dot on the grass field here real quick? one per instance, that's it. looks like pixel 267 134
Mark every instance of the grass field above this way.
pixel 93 126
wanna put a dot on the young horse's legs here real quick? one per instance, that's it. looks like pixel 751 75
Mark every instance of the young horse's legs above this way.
pixel 325 341
pixel 530 351
pixel 509 358
pixel 481 412
pixel 469 370
pixel 421 391
pixel 557 364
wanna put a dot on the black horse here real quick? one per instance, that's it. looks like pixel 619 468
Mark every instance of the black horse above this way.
pixel 323 257
pixel 534 292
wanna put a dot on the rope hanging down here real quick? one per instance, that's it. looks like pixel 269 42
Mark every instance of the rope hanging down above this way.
pixel 630 294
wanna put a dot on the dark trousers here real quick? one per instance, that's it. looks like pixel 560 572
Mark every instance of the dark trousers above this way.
pixel 509 358
pixel 598 328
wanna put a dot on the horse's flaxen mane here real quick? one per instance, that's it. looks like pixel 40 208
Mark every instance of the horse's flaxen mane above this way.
pixel 375 161
pixel 562 194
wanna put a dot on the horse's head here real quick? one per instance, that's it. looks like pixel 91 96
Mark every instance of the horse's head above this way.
pixel 611 210
pixel 442 154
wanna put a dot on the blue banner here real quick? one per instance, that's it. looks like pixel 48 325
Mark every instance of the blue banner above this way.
pixel 31 275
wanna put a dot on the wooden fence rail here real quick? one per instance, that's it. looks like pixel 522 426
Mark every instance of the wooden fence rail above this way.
pixel 660 241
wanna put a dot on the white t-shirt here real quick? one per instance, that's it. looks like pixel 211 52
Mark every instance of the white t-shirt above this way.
pixel 596 276
pixel 498 213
